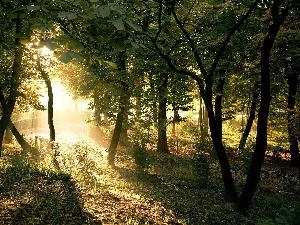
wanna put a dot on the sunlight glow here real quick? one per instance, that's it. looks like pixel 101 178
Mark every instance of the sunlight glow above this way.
pixel 46 51
pixel 63 99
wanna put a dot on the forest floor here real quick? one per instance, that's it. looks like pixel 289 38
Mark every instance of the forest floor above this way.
pixel 77 187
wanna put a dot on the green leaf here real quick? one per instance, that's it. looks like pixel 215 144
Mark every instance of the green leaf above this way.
pixel 33 7
pixel 75 44
pixel 65 57
pixel 68 15
pixel 104 11
pixel 135 45
pixel 77 56
pixel 134 26
pixel 118 23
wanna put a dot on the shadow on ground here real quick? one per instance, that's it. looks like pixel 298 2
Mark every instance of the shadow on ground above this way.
pixel 29 196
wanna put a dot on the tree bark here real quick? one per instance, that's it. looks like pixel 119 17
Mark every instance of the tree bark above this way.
pixel 250 118
pixel 218 104
pixel 124 139
pixel 292 74
pixel 14 84
pixel 24 144
pixel 11 127
pixel 124 99
pixel 162 142
pixel 123 108
pixel 230 190
pixel 47 80
pixel 253 176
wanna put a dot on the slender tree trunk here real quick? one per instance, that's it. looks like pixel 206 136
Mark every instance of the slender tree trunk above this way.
pixel 200 118
pixel 47 80
pixel 24 144
pixel 218 104
pixel 205 120
pixel 15 82
pixel 292 75
pixel 250 118
pixel 11 127
pixel 124 99
pixel 124 139
pixel 263 113
pixel 162 143
pixel 123 109
pixel 230 190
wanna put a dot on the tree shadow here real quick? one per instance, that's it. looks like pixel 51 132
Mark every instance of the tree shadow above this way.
pixel 30 196
pixel 182 202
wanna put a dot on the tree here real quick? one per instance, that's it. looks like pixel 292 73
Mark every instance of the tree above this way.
pixel 162 142
pixel 205 81
pixel 123 106
pixel 278 16
pixel 15 77
pixel 47 80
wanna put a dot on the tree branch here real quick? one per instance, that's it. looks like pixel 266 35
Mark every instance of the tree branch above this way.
pixel 229 35
pixel 191 43
pixel 191 74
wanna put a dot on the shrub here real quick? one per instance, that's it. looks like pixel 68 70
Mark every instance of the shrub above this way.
pixel 289 216
pixel 141 157
pixel 201 166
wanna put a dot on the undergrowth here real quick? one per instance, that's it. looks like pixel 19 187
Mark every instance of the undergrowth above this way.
pixel 145 187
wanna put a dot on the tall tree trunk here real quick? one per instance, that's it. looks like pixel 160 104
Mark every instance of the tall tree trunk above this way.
pixel 24 144
pixel 47 80
pixel 200 118
pixel 124 139
pixel 14 84
pixel 230 190
pixel 292 74
pixel 205 120
pixel 218 104
pixel 162 142
pixel 124 100
pixel 250 118
pixel 123 109
pixel 263 113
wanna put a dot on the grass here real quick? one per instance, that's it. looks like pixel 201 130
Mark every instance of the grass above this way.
pixel 78 188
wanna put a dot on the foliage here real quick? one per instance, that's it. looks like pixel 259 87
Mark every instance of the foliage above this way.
pixel 30 196
pixel 141 158
pixel 287 215
pixel 201 164
pixel 168 194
